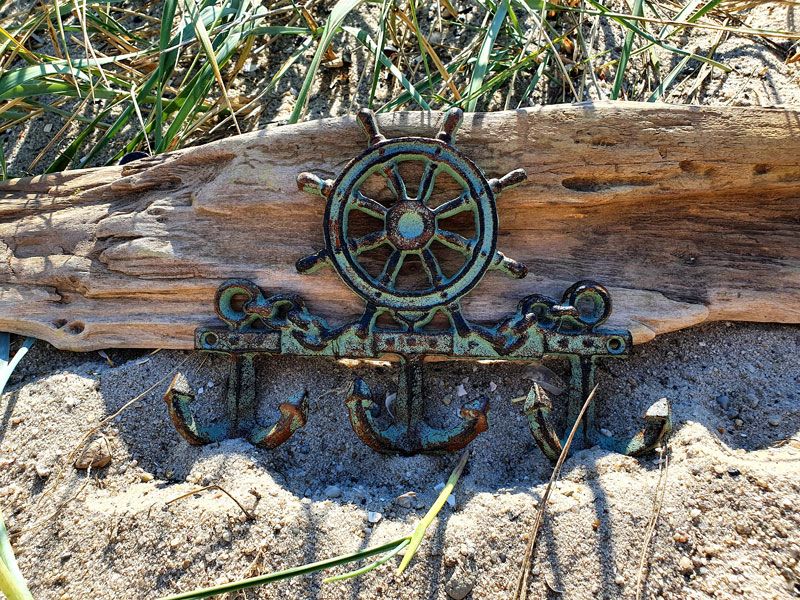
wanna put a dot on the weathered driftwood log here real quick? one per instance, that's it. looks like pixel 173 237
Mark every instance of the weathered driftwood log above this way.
pixel 688 214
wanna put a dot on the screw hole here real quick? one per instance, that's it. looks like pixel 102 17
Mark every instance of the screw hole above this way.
pixel 615 345
pixel 59 323
pixel 210 339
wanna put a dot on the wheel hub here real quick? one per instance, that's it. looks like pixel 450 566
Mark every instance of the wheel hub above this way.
pixel 410 225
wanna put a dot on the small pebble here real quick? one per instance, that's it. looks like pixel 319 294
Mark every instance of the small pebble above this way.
pixel 605 432
pixel 686 566
pixel 451 500
pixel 774 421
pixel 743 528
pixel 406 500
pixel 619 580
pixel 42 470
pixel 333 491
pixel 680 537
pixel 374 517
pixel 146 477
pixel 695 513
pixel 459 585
pixel 460 391
pixel 723 401
pixel 492 386
pixel 97 455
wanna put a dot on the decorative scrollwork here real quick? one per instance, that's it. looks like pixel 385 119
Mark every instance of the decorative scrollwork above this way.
pixel 373 235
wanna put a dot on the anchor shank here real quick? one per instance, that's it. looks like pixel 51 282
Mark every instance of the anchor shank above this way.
pixel 242 391
pixel 582 372
pixel 408 407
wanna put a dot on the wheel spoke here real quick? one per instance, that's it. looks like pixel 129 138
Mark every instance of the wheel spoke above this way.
pixel 395 181
pixel 427 182
pixel 367 242
pixel 454 206
pixel 368 206
pixel 455 241
pixel 431 265
pixel 392 268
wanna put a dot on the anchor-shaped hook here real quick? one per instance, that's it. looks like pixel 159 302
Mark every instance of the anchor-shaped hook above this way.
pixel 409 434
pixel 241 410
pixel 538 407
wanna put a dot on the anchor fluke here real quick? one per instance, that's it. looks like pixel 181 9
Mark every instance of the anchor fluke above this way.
pixel 179 398
pixel 475 420
pixel 537 408
pixel 409 434
pixel 363 411
pixel 657 425
pixel 241 421
pixel 294 414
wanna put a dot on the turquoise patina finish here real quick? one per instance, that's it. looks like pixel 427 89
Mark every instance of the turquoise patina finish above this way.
pixel 371 243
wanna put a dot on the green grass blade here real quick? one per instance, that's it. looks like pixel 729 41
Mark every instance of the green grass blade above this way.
pixel 628 24
pixel 12 583
pixel 370 567
pixel 287 573
pixel 535 79
pixel 68 155
pixel 5 338
pixel 482 61
pixel 424 46
pixel 378 52
pixel 275 30
pixel 668 80
pixel 209 15
pixel 619 78
pixel 193 94
pixel 338 14
pixel 208 50
pixel 77 69
pixel 166 64
pixel 8 368
pixel 368 42
pixel 44 88
pixel 419 532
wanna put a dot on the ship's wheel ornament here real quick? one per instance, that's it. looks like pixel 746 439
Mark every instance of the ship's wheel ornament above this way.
pixel 411 249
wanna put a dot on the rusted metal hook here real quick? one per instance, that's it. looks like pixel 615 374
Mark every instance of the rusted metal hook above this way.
pixel 242 406
pixel 538 408
pixel 408 433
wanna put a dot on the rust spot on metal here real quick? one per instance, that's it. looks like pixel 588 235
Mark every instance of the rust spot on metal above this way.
pixel 427 314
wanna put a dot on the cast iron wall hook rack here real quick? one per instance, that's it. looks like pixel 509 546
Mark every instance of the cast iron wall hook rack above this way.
pixel 374 241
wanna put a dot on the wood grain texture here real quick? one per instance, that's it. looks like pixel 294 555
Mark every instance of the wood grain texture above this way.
pixel 687 214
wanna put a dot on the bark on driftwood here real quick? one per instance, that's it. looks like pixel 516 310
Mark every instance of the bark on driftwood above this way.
pixel 688 214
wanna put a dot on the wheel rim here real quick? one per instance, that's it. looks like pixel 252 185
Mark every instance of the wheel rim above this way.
pixel 411 224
